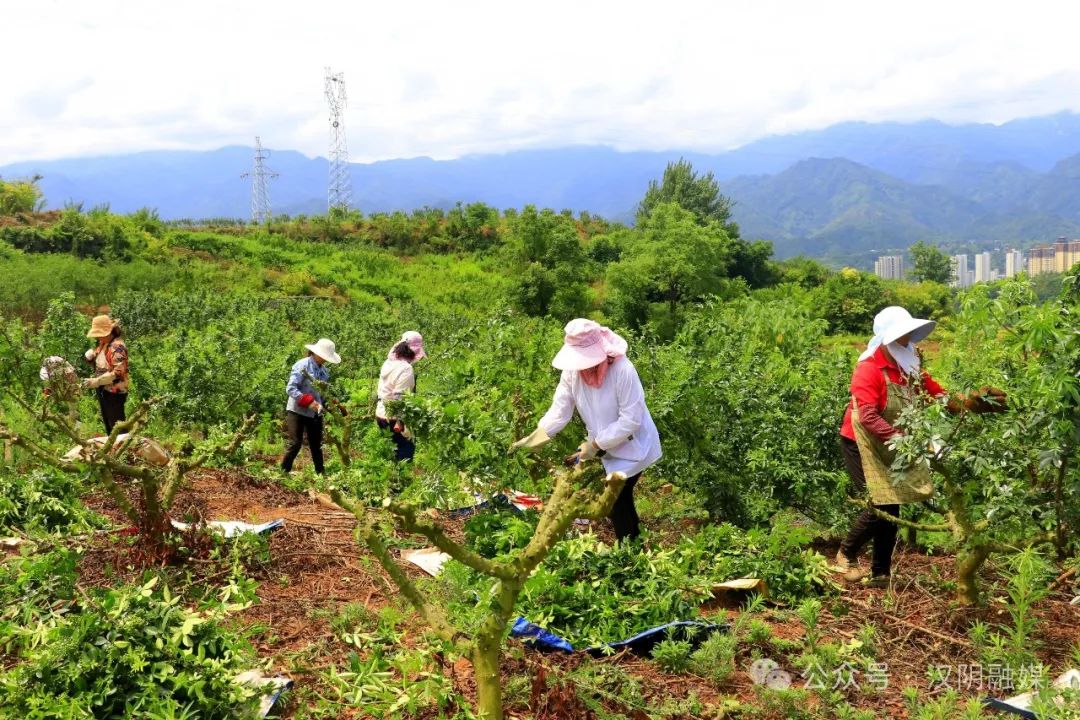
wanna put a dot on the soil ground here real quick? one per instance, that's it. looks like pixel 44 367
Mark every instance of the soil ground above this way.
pixel 316 568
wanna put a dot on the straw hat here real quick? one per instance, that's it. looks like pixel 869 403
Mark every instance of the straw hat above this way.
pixel 101 326
pixel 326 350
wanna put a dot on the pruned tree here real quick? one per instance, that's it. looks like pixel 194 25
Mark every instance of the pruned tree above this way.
pixel 583 492
pixel 115 461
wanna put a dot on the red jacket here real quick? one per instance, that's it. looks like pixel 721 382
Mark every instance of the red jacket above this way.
pixel 869 389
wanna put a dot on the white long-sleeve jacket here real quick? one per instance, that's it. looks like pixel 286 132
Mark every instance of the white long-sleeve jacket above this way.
pixel 396 378
pixel 614 414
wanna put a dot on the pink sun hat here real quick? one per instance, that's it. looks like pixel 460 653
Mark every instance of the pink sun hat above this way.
pixel 415 341
pixel 587 344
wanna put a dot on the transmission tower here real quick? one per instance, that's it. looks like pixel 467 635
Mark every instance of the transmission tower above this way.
pixel 339 194
pixel 260 191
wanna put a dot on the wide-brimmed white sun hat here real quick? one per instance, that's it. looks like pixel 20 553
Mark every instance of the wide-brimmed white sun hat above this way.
pixel 893 323
pixel 326 350
pixel 586 344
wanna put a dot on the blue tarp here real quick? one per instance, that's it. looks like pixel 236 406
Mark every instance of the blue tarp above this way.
pixel 642 643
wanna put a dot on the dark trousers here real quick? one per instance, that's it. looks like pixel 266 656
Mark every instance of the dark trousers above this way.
pixel 405 448
pixel 867 526
pixel 623 513
pixel 112 408
pixel 296 425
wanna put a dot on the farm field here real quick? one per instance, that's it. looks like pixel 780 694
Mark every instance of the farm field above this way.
pixel 108 610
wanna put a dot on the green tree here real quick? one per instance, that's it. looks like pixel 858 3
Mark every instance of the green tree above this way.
pixel 674 261
pixel 803 271
pixel 930 263
pixel 850 299
pixel 552 280
pixel 699 194
pixel 473 227
pixel 19 196
pixel 924 299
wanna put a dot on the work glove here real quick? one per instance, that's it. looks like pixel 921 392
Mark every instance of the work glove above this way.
pixel 991 400
pixel 533 440
pixel 90 354
pixel 316 407
pixel 586 451
pixel 100 380
pixel 984 400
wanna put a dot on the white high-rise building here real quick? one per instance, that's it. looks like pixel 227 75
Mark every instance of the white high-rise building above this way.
pixel 961 274
pixel 889 267
pixel 982 267
pixel 1014 262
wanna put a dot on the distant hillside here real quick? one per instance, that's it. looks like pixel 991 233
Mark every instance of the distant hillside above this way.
pixel 850 189
pixel 830 206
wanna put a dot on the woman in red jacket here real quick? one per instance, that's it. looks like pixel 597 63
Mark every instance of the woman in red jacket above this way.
pixel 887 378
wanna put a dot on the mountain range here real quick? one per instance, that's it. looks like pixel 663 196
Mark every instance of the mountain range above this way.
pixel 847 191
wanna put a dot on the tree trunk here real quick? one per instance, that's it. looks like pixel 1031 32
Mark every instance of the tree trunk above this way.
pixel 155 520
pixel 968 563
pixel 485 661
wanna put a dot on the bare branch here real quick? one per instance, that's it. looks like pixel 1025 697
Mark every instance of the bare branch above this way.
pixel 431 616
pixel 409 519
pixel 866 505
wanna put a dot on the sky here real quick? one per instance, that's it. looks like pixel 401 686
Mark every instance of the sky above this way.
pixel 445 79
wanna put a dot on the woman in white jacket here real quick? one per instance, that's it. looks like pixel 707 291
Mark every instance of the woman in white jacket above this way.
pixel 396 378
pixel 601 383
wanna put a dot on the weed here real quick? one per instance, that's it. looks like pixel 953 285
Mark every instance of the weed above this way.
pixel 672 655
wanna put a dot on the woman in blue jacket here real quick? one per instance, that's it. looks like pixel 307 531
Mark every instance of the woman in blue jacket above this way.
pixel 305 406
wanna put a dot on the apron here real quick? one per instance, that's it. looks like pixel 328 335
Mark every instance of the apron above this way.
pixel 886 486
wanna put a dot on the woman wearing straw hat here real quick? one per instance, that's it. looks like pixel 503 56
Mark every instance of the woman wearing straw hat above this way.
pixel 601 383
pixel 396 378
pixel 109 359
pixel 303 412
pixel 887 378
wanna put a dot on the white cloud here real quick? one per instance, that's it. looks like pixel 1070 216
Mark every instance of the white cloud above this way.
pixel 445 79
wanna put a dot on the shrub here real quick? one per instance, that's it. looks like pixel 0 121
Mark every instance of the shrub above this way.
pixel 131 652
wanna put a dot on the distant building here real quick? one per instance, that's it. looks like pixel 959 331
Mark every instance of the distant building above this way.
pixel 961 274
pixel 1014 263
pixel 982 267
pixel 889 267
pixel 1040 259
pixel 1066 254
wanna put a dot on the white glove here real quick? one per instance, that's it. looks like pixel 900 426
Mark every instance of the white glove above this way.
pixel 532 441
pixel 101 380
pixel 587 451
pixel 90 354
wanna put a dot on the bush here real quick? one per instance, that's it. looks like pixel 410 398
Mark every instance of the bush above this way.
pixel 42 500
pixel 131 652
pixel 19 196
pixel 672 655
